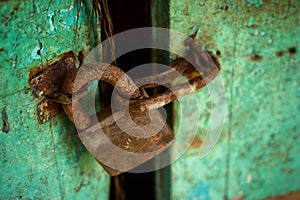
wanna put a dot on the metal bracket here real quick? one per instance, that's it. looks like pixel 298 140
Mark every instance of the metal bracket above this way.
pixel 47 81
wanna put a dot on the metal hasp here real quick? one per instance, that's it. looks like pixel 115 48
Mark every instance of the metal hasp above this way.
pixel 149 134
pixel 46 83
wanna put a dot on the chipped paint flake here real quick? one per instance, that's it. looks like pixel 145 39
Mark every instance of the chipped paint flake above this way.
pixel 34 55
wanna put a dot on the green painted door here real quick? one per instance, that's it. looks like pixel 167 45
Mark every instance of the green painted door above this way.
pixel 257 43
pixel 43 161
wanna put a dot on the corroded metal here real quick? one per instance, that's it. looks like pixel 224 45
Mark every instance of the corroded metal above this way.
pixel 184 67
pixel 139 101
pixel 153 140
pixel 57 84
pixel 95 71
pixel 107 73
pixel 47 109
pixel 47 83
pixel 63 84
pixel 123 138
pixel 169 96
pixel 140 106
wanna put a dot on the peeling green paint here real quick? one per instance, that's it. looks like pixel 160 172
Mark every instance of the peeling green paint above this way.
pixel 258 153
pixel 43 161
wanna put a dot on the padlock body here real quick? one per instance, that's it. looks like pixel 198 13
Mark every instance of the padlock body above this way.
pixel 123 141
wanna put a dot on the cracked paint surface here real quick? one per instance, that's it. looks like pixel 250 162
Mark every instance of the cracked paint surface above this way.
pixel 258 153
pixel 43 161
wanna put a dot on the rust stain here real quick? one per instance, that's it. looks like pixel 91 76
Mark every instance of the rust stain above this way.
pixel 46 81
pixel 35 71
pixel 47 109
pixel 225 7
pixel 50 79
pixel 237 197
pixel 5 124
pixel 289 196
pixel 290 51
pixel 197 142
pixel 77 189
pixel 279 53
pixel 254 57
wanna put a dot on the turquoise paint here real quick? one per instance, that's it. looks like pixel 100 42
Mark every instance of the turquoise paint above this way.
pixel 258 153
pixel 256 3
pixel 235 8
pixel 71 16
pixel 251 21
pixel 42 161
pixel 200 191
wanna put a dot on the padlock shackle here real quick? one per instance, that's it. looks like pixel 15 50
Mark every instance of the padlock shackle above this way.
pixel 162 99
pixel 89 72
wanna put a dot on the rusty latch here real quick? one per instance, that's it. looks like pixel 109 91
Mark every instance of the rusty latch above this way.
pixel 47 83
pixel 57 84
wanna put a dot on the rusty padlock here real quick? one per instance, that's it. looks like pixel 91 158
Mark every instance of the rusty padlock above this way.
pixel 123 140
